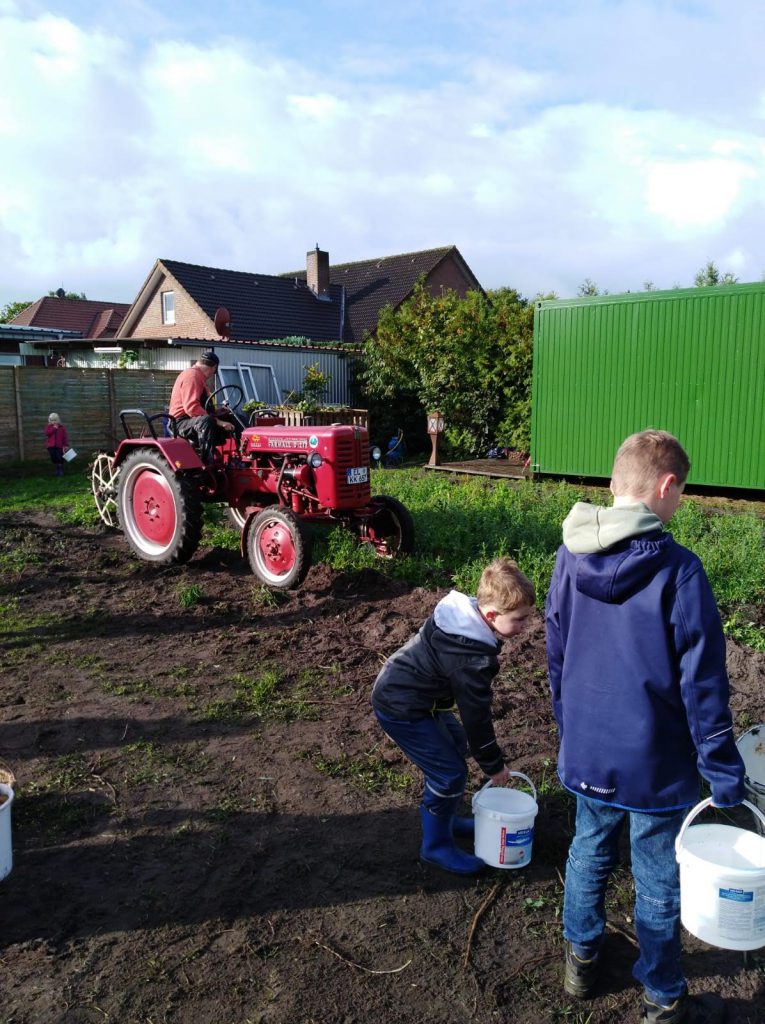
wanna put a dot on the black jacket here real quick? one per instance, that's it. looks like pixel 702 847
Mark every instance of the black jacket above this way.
pixel 440 668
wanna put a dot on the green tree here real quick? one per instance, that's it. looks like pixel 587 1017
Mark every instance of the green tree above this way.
pixel 315 387
pixel 11 310
pixel 59 293
pixel 709 276
pixel 468 357
pixel 588 287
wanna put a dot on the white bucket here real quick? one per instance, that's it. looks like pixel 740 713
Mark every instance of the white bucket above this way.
pixel 751 746
pixel 6 854
pixel 504 824
pixel 722 882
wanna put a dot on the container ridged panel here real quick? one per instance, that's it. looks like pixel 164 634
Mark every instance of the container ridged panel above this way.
pixel 691 362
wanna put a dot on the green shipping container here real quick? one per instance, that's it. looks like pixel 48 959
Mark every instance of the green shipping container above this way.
pixel 690 361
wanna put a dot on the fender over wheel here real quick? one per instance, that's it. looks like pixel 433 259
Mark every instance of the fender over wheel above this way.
pixel 278 548
pixel 160 511
pixel 390 528
pixel 103 483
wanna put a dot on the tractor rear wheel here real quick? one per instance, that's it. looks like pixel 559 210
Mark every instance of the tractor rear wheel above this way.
pixel 235 518
pixel 103 483
pixel 278 548
pixel 160 511
pixel 390 529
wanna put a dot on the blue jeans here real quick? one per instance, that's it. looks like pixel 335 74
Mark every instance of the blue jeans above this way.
pixel 437 745
pixel 592 857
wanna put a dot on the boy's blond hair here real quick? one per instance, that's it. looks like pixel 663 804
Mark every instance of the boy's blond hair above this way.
pixel 645 457
pixel 504 587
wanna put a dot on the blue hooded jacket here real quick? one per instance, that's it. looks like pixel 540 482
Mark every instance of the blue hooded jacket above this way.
pixel 636 656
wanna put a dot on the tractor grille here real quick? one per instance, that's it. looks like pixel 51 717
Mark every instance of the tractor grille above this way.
pixel 350 453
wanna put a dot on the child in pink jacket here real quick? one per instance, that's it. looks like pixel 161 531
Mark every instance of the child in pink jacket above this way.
pixel 57 442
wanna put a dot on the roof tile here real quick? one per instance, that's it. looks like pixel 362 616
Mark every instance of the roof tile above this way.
pixel 92 318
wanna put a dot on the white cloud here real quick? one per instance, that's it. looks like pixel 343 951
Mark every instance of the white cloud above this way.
pixel 119 149
pixel 696 193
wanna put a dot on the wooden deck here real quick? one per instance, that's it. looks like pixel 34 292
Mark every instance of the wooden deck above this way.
pixel 500 468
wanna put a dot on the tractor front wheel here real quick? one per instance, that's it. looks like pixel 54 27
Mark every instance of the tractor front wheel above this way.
pixel 390 528
pixel 160 511
pixel 278 548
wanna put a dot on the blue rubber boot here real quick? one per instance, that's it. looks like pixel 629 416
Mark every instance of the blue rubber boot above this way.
pixel 463 828
pixel 438 846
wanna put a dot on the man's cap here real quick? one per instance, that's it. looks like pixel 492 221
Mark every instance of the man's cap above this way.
pixel 209 359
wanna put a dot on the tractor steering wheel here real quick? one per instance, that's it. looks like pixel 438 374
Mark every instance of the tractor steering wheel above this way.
pixel 264 413
pixel 224 389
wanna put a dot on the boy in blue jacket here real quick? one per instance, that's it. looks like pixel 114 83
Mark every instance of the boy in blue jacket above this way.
pixel 636 657
pixel 452 661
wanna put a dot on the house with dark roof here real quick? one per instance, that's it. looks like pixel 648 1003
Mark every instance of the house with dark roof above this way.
pixel 371 285
pixel 321 303
pixel 90 319
pixel 268 328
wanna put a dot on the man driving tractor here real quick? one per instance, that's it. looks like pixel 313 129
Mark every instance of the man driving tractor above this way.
pixel 194 416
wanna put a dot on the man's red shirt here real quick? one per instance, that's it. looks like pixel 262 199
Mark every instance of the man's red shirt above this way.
pixel 189 393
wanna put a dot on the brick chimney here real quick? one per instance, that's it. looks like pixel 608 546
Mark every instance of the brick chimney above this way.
pixel 317 272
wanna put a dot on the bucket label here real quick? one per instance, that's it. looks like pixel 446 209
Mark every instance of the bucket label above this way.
pixel 520 838
pixel 515 847
pixel 737 895
pixel 741 913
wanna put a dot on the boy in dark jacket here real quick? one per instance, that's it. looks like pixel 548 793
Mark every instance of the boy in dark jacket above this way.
pixel 636 656
pixel 452 661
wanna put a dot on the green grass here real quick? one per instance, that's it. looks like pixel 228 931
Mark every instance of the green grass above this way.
pixel 747 633
pixel 33 486
pixel 189 594
pixel 367 772
pixel 460 525
pixel 262 696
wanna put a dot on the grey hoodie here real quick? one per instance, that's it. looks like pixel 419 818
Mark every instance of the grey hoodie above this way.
pixel 588 529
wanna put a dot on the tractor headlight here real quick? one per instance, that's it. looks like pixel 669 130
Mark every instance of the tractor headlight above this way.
pixel 375 453
pixel 315 460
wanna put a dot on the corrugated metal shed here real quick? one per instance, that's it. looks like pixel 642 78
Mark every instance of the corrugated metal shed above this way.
pixel 274 370
pixel 690 361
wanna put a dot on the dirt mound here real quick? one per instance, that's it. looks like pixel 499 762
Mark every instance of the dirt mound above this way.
pixel 210 827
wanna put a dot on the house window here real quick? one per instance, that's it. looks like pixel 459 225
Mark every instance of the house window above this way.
pixel 168 308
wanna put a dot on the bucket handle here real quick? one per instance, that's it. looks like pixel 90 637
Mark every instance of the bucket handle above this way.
pixel 701 807
pixel 518 775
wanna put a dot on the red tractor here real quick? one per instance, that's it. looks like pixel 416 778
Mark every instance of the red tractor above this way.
pixel 275 480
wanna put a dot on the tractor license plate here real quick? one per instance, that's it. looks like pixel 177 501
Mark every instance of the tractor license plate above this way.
pixel 357 476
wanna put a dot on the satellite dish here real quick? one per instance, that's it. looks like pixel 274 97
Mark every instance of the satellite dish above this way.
pixel 222 321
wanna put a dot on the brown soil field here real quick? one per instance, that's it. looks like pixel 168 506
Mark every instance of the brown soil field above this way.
pixel 210 828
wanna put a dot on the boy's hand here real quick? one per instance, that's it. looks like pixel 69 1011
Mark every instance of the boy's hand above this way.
pixel 501 777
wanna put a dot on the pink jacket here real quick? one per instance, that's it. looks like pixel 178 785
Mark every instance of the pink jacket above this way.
pixel 56 436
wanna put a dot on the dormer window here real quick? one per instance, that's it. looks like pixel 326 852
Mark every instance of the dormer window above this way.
pixel 168 308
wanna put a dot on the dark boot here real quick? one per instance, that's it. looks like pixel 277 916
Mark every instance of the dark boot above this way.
pixel 463 828
pixel 705 1008
pixel 438 846
pixel 581 975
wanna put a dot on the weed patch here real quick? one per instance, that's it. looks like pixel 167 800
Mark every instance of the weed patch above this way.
pixel 367 772
pixel 743 632
pixel 189 595
pixel 262 697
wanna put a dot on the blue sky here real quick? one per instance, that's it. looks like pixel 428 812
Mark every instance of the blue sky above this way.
pixel 619 141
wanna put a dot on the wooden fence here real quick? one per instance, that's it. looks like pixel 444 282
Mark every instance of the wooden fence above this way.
pixel 89 403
